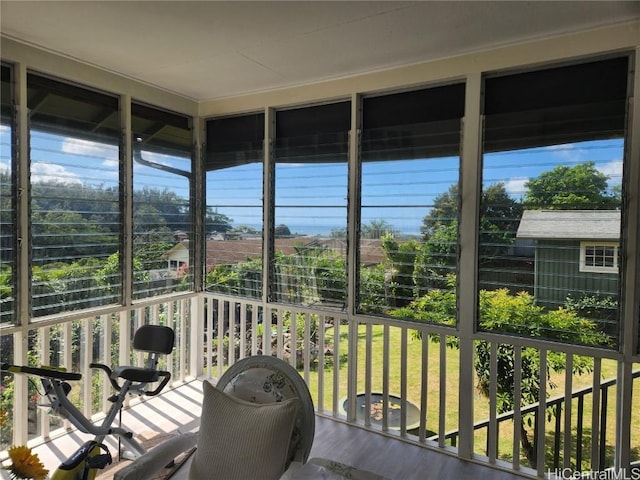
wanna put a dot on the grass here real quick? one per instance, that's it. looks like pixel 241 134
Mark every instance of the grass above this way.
pixel 448 383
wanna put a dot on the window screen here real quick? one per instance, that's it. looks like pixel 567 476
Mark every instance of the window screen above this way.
pixel 162 222
pixel 233 221
pixel 75 199
pixel 552 176
pixel 410 167
pixel 7 207
pixel 311 178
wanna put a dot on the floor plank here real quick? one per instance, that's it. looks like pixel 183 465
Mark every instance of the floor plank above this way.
pixel 393 457
pixel 160 416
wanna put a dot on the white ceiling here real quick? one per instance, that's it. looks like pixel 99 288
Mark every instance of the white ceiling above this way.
pixel 213 49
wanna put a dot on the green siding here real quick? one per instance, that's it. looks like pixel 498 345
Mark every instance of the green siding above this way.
pixel 558 275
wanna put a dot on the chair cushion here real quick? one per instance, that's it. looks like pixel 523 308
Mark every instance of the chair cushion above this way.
pixel 242 440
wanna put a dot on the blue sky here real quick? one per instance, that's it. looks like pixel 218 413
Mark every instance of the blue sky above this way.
pixel 314 196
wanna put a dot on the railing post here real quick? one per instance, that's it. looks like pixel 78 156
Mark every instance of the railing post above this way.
pixel 629 298
pixel 23 270
pixel 467 277
pixel 196 335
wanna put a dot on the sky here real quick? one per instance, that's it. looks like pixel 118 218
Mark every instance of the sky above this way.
pixel 312 198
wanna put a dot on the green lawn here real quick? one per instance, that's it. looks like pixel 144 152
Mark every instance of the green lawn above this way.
pixel 451 401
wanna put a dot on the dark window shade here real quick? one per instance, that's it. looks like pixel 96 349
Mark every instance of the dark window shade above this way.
pixel 234 141
pixel 59 108
pixel 420 106
pixel 6 96
pixel 313 134
pixel 161 131
pixel 334 117
pixel 5 73
pixel 557 105
pixel 8 234
pixel 161 116
pixel 417 124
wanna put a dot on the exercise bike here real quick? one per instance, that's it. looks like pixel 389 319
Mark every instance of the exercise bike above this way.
pixel 93 455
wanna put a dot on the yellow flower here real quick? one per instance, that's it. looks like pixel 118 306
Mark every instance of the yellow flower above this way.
pixel 25 464
pixel 4 417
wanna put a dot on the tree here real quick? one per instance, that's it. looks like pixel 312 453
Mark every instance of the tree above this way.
pixel 499 311
pixel 399 262
pixel 216 222
pixel 282 231
pixel 376 229
pixel 499 218
pixel 443 212
pixel 581 187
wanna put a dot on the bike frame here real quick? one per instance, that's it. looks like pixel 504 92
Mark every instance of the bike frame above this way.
pixel 82 464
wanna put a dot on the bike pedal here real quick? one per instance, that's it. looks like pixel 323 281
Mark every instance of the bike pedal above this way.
pixel 113 398
pixel 99 461
pixel 128 455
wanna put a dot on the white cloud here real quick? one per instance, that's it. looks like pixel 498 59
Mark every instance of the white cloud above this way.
pixel 568 151
pixel 49 172
pixel 612 169
pixel 86 148
pixel 111 163
pixel 515 186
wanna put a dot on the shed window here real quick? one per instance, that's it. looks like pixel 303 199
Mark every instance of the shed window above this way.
pixel 599 257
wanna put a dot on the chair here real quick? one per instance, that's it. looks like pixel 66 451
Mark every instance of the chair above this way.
pixel 251 388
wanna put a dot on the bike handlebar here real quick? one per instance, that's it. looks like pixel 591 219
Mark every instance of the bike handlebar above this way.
pixel 46 372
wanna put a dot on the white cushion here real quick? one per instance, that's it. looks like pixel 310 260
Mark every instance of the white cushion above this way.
pixel 242 440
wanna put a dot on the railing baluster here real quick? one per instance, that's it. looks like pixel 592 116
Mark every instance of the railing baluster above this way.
pixel 243 329
pixel 280 331
pixel 556 434
pixel 44 334
pixel 367 374
pixel 220 335
pixel 595 416
pixel 492 433
pixel 107 332
pixel 579 431
pixel 568 388
pixel 306 345
pixel 322 331
pixel 403 381
pixel 293 340
pixel 231 337
pixel 385 378
pixel 336 365
pixel 85 359
pixel 540 420
pixel 442 407
pixel 603 426
pixel 424 386
pixel 210 336
pixel 517 405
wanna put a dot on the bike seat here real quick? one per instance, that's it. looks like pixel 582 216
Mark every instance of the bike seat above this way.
pixel 135 374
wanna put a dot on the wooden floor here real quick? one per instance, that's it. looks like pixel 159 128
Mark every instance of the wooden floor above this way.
pixel 392 457
pixel 333 439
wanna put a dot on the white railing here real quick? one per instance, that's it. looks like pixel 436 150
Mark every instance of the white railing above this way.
pixel 403 379
pixel 75 341
pixel 392 377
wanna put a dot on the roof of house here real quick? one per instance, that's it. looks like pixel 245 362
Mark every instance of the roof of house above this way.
pixel 231 251
pixel 570 224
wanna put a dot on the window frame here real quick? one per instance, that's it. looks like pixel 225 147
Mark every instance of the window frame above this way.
pixel 597 268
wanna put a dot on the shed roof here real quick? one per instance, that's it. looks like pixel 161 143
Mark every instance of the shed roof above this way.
pixel 570 224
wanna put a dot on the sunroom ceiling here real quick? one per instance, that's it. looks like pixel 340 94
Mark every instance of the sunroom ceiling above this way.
pixel 214 49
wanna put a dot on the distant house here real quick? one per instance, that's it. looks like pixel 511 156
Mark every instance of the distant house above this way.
pixel 224 251
pixel 576 252
pixel 177 257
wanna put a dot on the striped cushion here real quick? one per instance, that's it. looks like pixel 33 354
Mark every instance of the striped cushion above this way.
pixel 242 440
